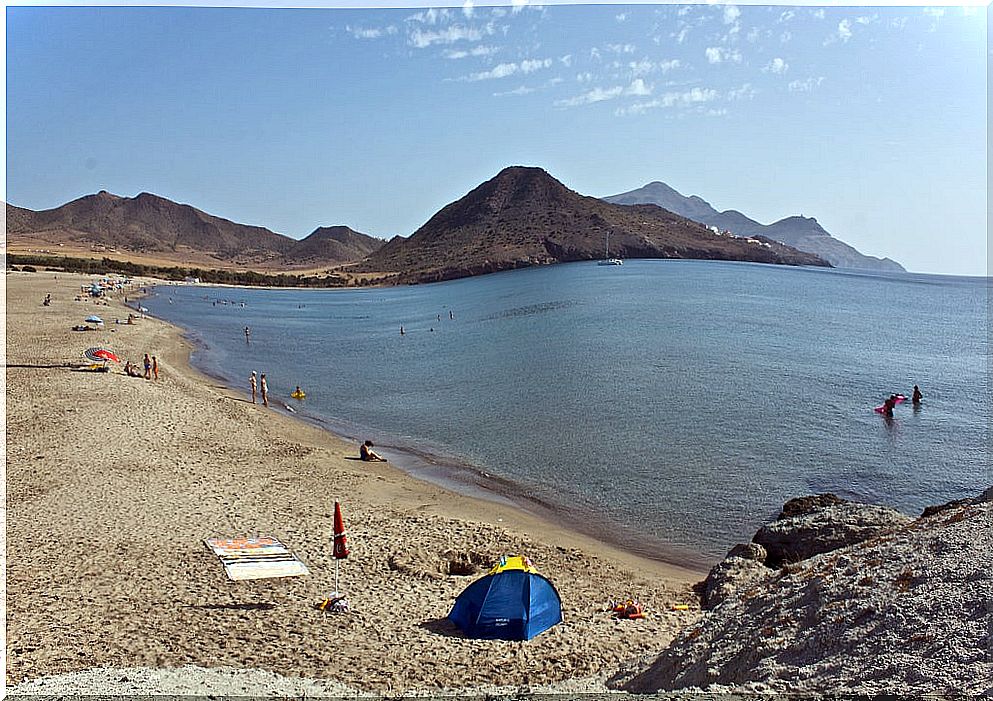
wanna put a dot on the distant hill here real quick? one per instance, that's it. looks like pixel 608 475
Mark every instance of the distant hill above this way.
pixel 525 217
pixel 336 243
pixel 153 226
pixel 802 233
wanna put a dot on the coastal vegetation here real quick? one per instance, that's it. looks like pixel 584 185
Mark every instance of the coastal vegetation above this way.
pixel 102 266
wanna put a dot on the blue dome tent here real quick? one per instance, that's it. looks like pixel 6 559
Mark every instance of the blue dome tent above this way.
pixel 512 602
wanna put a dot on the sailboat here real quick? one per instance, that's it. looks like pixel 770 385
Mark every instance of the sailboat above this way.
pixel 607 260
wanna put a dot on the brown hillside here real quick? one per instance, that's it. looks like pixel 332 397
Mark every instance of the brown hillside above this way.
pixel 337 243
pixel 152 227
pixel 524 217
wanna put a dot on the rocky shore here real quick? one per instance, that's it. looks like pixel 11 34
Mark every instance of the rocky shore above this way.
pixel 837 597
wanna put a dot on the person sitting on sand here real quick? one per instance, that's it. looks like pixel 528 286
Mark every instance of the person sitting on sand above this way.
pixel 366 453
pixel 917 397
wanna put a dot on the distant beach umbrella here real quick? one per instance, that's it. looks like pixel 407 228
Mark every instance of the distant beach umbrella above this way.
pixel 100 355
pixel 94 319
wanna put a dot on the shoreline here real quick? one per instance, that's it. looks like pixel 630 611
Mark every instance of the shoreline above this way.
pixel 467 479
pixel 113 482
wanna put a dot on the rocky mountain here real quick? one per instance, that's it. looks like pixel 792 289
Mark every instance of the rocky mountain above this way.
pixel 153 226
pixel 523 216
pixel 847 599
pixel 803 233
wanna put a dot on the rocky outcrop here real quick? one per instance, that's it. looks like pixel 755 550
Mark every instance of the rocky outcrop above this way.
pixel 903 612
pixel 820 524
pixel 806 526
pixel 732 574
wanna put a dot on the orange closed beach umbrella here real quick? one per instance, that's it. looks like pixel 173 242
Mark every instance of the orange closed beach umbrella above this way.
pixel 340 546
pixel 340 550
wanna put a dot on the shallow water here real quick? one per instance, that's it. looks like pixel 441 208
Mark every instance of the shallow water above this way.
pixel 670 406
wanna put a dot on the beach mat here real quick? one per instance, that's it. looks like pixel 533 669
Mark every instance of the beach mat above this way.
pixel 256 558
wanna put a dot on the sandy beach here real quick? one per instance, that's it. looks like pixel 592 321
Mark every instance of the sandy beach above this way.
pixel 113 482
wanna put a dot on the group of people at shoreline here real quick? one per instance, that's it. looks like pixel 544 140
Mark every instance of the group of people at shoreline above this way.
pixel 149 368
pixel 259 385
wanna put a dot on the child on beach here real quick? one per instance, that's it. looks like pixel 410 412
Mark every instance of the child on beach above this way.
pixel 148 367
pixel 155 367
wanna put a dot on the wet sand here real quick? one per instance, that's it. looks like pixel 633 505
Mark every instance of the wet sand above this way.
pixel 113 482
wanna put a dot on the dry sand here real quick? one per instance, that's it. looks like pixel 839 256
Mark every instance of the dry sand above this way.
pixel 113 482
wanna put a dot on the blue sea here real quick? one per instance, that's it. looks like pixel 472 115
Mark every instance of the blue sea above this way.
pixel 670 407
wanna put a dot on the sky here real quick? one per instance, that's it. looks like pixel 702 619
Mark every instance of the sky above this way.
pixel 872 119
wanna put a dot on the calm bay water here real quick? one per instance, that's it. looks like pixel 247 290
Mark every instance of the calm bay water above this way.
pixel 670 406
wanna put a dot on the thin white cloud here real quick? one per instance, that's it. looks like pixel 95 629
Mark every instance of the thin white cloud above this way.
pixel 566 60
pixel 591 97
pixel 934 12
pixel 684 10
pixel 731 14
pixel 522 90
pixel 647 67
pixel 844 30
pixel 595 53
pixel 786 16
pixel 623 17
pixel 680 37
pixel 637 88
pixel 517 5
pixel 371 32
pixel 468 9
pixel 745 92
pixel 785 37
pixel 621 48
pixel 776 65
pixel 504 70
pixel 717 113
pixel 867 19
pixel 474 51
pixel 688 98
pixel 584 77
pixel 818 13
pixel 721 54
pixel 421 38
pixel 432 16
pixel 642 67
pixel 807 85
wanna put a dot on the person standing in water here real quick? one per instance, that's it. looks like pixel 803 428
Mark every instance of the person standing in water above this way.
pixel 917 396
pixel 248 335
pixel 888 406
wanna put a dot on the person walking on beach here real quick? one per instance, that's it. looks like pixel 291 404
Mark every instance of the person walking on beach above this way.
pixel 265 390
pixel 148 367
pixel 254 386
pixel 155 367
